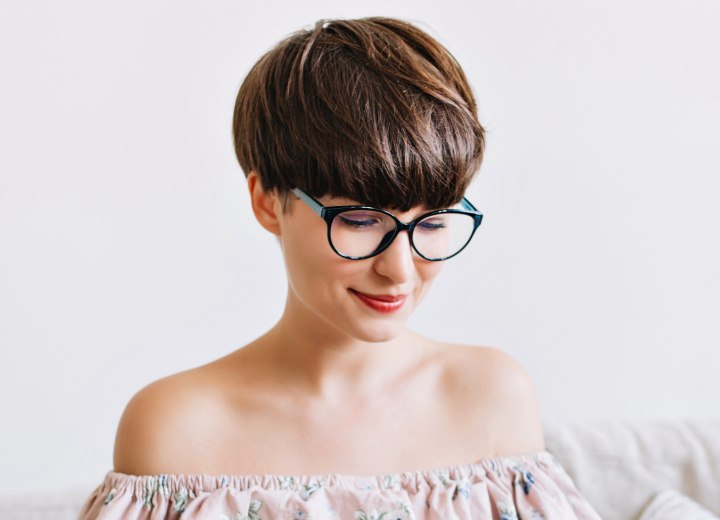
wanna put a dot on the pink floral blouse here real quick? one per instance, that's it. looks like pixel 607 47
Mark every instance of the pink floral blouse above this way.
pixel 524 487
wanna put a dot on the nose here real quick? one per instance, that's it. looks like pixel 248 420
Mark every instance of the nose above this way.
pixel 396 262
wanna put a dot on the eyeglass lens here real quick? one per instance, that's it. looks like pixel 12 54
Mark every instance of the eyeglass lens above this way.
pixel 359 233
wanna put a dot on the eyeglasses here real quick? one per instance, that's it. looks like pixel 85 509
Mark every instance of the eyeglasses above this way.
pixel 359 232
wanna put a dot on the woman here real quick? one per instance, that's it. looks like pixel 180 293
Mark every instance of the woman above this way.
pixel 358 139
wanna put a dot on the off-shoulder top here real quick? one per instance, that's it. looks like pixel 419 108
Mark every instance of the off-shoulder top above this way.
pixel 523 487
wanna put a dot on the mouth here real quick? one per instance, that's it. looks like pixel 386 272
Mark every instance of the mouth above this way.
pixel 385 303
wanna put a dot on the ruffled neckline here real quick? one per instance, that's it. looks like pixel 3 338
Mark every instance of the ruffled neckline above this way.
pixel 171 482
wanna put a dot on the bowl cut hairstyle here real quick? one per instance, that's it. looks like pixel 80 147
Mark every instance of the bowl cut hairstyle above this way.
pixel 372 109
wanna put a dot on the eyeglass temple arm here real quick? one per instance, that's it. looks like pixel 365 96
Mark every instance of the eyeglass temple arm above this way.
pixel 468 205
pixel 310 201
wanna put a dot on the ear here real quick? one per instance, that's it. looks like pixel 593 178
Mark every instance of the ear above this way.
pixel 265 204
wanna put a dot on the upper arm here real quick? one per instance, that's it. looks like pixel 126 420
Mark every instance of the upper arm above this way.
pixel 515 407
pixel 149 431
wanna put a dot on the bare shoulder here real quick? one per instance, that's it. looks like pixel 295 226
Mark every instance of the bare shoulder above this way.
pixel 158 423
pixel 492 385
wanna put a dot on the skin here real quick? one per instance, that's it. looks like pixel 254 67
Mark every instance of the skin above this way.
pixel 341 348
pixel 334 386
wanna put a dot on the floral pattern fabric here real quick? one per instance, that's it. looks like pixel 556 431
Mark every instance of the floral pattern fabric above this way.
pixel 526 487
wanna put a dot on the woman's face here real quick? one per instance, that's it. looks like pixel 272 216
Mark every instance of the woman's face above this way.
pixel 336 292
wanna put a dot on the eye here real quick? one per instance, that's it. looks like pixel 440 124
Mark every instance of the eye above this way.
pixel 358 221
pixel 431 224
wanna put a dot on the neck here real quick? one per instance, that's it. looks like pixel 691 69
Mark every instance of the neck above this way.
pixel 327 363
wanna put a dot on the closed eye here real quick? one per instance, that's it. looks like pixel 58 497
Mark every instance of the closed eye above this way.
pixel 358 223
pixel 431 224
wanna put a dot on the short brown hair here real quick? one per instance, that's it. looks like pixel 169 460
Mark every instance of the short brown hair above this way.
pixel 371 109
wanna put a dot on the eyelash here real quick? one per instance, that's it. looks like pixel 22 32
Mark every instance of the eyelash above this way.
pixel 356 223
pixel 431 226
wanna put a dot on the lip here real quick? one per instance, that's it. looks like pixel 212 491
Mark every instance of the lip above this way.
pixel 385 303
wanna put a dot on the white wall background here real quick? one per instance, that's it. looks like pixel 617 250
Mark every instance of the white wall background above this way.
pixel 128 250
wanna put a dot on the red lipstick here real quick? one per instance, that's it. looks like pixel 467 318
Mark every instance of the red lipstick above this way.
pixel 385 303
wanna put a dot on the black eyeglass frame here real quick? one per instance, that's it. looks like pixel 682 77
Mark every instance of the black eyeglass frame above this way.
pixel 328 213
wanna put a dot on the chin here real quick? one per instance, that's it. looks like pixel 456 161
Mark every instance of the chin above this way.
pixel 380 334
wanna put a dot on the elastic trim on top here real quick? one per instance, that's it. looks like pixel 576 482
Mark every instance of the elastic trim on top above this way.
pixel 193 484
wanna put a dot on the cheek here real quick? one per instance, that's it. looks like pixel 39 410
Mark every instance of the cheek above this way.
pixel 313 268
pixel 427 271
pixel 426 274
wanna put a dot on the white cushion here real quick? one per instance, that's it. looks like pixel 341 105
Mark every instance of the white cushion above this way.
pixel 620 466
pixel 671 505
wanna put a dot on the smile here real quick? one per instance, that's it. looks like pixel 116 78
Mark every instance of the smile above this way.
pixel 381 302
